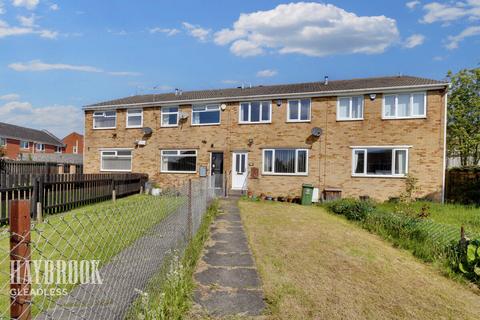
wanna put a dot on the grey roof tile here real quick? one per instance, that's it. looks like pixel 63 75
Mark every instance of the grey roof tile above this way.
pixel 22 133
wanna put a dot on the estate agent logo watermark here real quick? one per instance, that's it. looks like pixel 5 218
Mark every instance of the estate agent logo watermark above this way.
pixel 54 273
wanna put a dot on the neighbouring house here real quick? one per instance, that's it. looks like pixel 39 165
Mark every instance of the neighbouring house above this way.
pixel 17 141
pixel 358 137
pixel 73 143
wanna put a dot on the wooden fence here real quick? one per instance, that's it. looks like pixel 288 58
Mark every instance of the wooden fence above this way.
pixel 463 185
pixel 33 167
pixel 62 192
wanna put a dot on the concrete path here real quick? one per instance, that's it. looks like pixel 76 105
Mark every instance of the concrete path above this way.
pixel 227 279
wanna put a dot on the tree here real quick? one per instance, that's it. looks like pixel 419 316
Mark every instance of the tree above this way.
pixel 463 124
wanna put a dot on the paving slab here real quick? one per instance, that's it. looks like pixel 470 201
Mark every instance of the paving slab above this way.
pixel 228 259
pixel 244 278
pixel 220 303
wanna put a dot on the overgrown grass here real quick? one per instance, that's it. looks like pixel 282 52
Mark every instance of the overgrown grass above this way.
pixel 96 232
pixel 169 293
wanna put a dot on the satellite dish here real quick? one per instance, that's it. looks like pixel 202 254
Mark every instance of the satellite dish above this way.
pixel 317 132
pixel 147 131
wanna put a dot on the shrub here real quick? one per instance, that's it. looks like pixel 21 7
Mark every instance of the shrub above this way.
pixel 352 209
pixel 464 257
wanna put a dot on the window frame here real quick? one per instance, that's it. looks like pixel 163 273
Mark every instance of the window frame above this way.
pixel 410 105
pixel 22 147
pixel 58 149
pixel 296 173
pixel 75 150
pixel 104 112
pixel 141 119
pixel 169 113
pixel 249 121
pixel 4 144
pixel 350 108
pixel 177 155
pixel 206 105
pixel 393 149
pixel 116 151
pixel 41 149
pixel 299 110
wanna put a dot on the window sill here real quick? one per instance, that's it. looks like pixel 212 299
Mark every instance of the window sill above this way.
pixel 205 124
pixel 286 174
pixel 404 118
pixel 104 170
pixel 378 176
pixel 259 122
pixel 106 128
pixel 170 126
pixel 298 121
pixel 180 172
pixel 346 120
pixel 140 127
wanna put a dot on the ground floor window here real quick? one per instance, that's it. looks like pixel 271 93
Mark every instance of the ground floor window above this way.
pixel 180 161
pixel 285 161
pixel 380 161
pixel 116 160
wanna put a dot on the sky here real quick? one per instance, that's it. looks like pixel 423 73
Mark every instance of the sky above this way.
pixel 57 56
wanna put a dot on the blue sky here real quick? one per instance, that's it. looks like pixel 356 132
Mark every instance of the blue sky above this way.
pixel 56 56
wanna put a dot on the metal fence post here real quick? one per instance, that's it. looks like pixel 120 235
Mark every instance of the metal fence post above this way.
pixel 190 213
pixel 20 296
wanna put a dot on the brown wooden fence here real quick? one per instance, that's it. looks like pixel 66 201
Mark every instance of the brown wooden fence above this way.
pixel 61 192
pixel 33 167
pixel 463 185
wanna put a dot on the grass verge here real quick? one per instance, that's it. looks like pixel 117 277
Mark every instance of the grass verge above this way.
pixel 169 293
pixel 315 265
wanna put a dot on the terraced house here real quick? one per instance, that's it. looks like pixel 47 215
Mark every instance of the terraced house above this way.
pixel 357 137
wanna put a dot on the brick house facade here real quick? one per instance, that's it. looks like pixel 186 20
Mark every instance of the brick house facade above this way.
pixel 73 143
pixel 372 133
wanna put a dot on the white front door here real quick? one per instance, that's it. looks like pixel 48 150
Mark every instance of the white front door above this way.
pixel 239 170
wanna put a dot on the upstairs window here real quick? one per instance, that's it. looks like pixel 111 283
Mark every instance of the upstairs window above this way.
pixel 169 116
pixel 24 144
pixel 104 119
pixel 3 142
pixel 75 149
pixel 285 161
pixel 255 112
pixel 58 149
pixel 299 110
pixel 40 147
pixel 116 160
pixel 206 115
pixel 179 161
pixel 382 162
pixel 135 118
pixel 405 105
pixel 350 108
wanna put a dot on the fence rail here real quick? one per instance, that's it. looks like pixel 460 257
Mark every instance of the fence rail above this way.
pixel 61 192
pixel 34 167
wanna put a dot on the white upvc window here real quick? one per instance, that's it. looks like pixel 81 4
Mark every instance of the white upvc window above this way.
pixel 285 162
pixel 169 116
pixel 118 160
pixel 40 147
pixel 380 162
pixel 299 110
pixel 58 149
pixel 255 112
pixel 179 161
pixel 405 105
pixel 206 115
pixel 3 142
pixel 75 149
pixel 24 145
pixel 135 118
pixel 105 119
pixel 350 108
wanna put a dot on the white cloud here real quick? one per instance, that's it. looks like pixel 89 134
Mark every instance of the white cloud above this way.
pixel 312 29
pixel 2 7
pixel 230 81
pixel 267 73
pixel 54 7
pixel 10 97
pixel 449 12
pixel 29 4
pixel 27 21
pixel 8 31
pixel 197 31
pixel 453 41
pixel 39 66
pixel 412 4
pixel 58 119
pixel 414 40
pixel 118 33
pixel 168 31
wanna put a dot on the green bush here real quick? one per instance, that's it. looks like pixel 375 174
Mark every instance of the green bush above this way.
pixel 464 257
pixel 352 209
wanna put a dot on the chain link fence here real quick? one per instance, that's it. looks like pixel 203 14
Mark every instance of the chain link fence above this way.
pixel 90 263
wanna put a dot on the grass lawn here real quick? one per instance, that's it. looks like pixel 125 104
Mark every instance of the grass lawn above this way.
pixel 451 214
pixel 315 265
pixel 95 232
